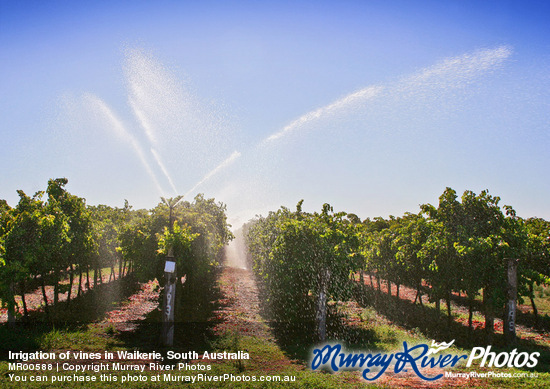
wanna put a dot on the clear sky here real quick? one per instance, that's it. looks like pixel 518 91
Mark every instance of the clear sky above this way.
pixel 372 106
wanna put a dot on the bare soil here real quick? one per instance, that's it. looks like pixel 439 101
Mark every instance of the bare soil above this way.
pixel 240 315
pixel 35 300
pixel 135 308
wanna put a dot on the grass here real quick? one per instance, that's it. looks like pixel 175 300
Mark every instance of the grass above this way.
pixel 266 360
pixel 43 336
pixel 542 299
pixel 96 338
pixel 266 357
pixel 382 326
pixel 399 328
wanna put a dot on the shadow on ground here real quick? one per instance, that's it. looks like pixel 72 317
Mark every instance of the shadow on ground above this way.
pixel 193 324
pixel 68 316
pixel 436 325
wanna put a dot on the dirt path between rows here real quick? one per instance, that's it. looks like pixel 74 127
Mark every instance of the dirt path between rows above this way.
pixel 242 305
pixel 240 315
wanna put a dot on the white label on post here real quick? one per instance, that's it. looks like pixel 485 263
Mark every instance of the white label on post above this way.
pixel 170 266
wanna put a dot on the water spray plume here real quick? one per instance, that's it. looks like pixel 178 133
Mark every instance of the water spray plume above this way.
pixel 216 170
pixel 103 109
pixel 451 73
pixel 411 103
pixel 153 96
pixel 354 98
pixel 163 168
pixel 168 113
pixel 455 72
pixel 143 121
pixel 158 99
pixel 235 251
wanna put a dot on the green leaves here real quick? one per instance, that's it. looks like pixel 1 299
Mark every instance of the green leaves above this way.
pixel 462 245
pixel 179 239
pixel 300 254
pixel 62 234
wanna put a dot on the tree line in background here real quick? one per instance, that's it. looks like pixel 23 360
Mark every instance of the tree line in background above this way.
pixel 53 235
pixel 302 260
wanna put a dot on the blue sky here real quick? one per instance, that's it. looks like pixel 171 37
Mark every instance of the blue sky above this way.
pixel 385 103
